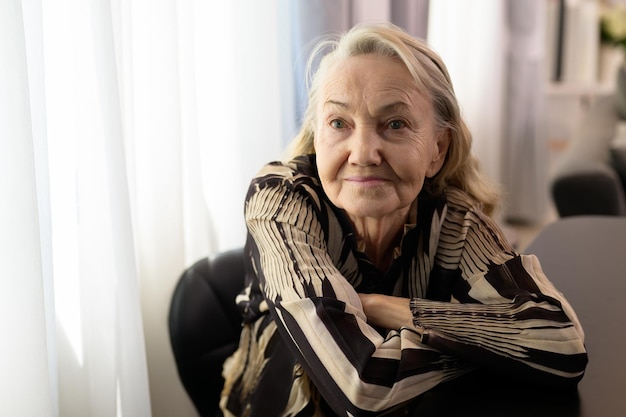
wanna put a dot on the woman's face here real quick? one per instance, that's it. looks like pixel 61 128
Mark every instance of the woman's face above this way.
pixel 375 137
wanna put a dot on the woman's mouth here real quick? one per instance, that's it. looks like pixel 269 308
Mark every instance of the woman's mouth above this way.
pixel 366 181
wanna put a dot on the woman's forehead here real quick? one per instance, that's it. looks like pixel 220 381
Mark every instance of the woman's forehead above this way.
pixel 384 80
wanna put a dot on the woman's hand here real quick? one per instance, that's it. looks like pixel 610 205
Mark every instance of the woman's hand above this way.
pixel 387 311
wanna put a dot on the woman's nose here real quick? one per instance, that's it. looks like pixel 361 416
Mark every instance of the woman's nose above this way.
pixel 365 147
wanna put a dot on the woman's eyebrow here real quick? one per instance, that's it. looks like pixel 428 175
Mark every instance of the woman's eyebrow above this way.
pixel 336 103
pixel 393 107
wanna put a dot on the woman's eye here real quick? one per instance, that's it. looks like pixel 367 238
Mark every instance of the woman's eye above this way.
pixel 338 124
pixel 396 124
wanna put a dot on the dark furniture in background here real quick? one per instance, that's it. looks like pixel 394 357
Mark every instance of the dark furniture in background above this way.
pixel 204 326
pixel 590 176
pixel 584 256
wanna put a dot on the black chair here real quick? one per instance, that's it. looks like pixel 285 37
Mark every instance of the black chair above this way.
pixel 204 325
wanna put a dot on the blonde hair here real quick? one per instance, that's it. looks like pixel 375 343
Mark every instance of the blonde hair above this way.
pixel 460 169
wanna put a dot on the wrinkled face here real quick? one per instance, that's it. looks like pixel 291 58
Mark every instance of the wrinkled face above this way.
pixel 375 137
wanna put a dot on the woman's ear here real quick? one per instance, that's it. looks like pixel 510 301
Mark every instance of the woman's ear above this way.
pixel 440 150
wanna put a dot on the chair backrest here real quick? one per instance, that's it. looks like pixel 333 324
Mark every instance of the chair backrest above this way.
pixel 204 325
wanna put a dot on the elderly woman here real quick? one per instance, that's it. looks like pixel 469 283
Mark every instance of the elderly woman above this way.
pixel 374 269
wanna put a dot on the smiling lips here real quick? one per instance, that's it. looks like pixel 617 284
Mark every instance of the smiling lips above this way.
pixel 365 180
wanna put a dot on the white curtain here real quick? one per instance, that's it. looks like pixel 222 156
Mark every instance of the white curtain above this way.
pixel 26 384
pixel 128 133
pixel 494 50
pixel 471 38
pixel 525 151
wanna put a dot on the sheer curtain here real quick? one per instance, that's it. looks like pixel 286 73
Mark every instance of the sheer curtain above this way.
pixel 471 38
pixel 128 133
pixel 26 384
pixel 494 51
pixel 525 157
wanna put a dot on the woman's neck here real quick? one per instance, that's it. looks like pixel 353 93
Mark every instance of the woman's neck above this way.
pixel 380 237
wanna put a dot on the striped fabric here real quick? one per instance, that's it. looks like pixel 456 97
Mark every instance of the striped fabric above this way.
pixel 306 348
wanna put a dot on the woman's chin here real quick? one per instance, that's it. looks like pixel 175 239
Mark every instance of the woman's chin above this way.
pixel 368 209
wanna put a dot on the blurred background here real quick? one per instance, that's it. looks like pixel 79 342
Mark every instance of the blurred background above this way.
pixel 129 130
